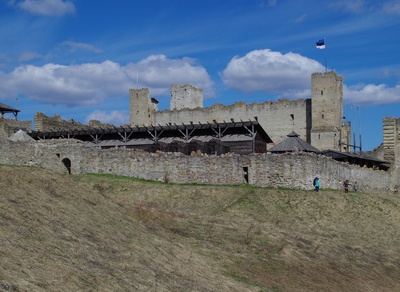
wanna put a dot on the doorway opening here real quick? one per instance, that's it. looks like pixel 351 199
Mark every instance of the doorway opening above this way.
pixel 246 174
pixel 67 164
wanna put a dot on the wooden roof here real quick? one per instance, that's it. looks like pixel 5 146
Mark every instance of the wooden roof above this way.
pixel 292 144
pixel 8 109
pixel 199 131
pixel 356 158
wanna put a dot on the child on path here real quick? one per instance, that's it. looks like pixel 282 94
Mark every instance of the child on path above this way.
pixel 355 187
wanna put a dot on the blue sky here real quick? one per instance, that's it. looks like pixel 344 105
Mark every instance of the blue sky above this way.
pixel 79 58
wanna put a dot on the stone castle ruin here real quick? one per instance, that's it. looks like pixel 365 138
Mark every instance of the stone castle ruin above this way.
pixel 318 121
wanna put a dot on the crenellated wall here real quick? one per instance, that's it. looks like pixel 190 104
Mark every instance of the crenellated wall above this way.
pixel 318 120
pixel 289 115
pixel 295 170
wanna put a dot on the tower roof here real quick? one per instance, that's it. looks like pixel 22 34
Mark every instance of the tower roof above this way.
pixel 293 143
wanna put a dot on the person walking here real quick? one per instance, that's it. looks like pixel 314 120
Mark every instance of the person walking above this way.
pixel 346 186
pixel 317 184
pixel 355 187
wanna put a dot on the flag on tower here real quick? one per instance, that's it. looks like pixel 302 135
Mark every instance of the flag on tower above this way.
pixel 320 44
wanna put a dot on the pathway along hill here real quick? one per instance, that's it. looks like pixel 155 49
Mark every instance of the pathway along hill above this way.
pixel 106 233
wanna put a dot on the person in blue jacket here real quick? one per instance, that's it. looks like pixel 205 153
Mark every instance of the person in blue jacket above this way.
pixel 317 184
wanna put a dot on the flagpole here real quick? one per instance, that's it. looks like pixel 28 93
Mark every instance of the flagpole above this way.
pixel 326 68
pixel 321 44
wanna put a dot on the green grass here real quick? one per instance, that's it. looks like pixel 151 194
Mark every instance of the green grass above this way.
pixel 116 233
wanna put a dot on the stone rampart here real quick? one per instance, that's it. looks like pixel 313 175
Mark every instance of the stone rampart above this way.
pixel 10 126
pixel 277 118
pixel 45 123
pixel 264 170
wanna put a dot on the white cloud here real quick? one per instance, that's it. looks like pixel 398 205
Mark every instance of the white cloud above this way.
pixel 271 72
pixel 69 85
pixel 27 56
pixel 4 59
pixel 371 94
pixel 48 7
pixel 269 3
pixel 392 7
pixel 113 117
pixel 158 73
pixel 354 6
pixel 301 18
pixel 75 45
pixel 92 83
pixel 289 75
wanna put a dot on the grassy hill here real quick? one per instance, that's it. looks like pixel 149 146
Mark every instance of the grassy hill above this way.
pixel 107 233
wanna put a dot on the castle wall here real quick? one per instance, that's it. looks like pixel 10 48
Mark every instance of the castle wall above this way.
pixel 264 170
pixel 10 126
pixel 45 123
pixel 277 118
pixel 318 121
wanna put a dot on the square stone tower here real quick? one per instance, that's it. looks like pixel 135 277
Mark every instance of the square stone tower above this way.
pixel 186 96
pixel 142 107
pixel 391 140
pixel 327 128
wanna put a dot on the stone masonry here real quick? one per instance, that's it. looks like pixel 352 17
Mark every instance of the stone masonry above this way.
pixel 327 112
pixel 294 170
pixel 10 126
pixel 317 120
pixel 185 96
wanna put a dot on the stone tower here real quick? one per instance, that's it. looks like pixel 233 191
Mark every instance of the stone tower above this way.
pixel 185 96
pixel 327 128
pixel 391 139
pixel 142 107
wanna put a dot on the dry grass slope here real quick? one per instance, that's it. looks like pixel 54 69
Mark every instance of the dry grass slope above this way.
pixel 105 233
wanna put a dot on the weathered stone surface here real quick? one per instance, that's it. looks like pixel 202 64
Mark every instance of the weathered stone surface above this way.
pixel 264 170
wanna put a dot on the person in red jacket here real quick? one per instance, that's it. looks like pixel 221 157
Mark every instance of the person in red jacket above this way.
pixel 346 186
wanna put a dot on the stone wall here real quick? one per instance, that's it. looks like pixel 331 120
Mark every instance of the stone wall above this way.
pixel 327 111
pixel 389 138
pixel 142 107
pixel 45 123
pixel 277 118
pixel 10 126
pixel 185 96
pixel 264 170
pixel 317 120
